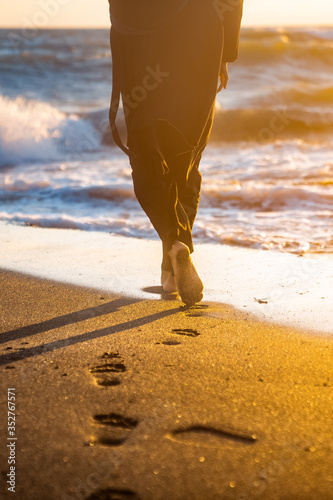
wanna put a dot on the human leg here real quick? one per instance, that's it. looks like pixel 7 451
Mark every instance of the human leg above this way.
pixel 185 169
pixel 156 187
pixel 156 182
pixel 156 190
pixel 189 188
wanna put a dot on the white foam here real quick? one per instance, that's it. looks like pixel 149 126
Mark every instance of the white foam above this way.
pixel 35 130
pixel 298 291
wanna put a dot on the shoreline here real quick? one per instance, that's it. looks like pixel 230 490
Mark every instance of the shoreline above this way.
pixel 276 287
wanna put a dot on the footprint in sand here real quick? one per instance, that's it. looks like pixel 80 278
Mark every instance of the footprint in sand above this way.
pixel 188 332
pixel 104 373
pixel 113 429
pixel 111 494
pixel 190 313
pixel 208 436
pixel 168 342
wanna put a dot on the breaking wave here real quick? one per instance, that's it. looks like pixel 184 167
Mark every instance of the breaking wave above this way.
pixel 35 130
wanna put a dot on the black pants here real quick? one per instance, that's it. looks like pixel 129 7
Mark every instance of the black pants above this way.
pixel 167 181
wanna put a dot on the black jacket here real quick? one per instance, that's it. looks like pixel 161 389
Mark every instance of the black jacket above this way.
pixel 135 17
pixel 166 62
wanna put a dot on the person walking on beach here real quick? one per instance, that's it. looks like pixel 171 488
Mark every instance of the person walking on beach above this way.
pixel 169 59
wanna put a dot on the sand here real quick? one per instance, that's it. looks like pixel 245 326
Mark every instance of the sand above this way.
pixel 297 291
pixel 129 398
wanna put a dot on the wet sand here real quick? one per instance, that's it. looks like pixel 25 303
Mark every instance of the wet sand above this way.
pixel 297 292
pixel 124 398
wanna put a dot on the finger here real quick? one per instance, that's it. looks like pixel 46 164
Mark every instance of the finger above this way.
pixel 222 83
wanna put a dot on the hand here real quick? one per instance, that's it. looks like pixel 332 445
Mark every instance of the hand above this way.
pixel 224 76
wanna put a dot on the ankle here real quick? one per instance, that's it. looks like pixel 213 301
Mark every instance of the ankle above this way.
pixel 176 247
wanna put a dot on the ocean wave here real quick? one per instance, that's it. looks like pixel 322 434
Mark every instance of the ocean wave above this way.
pixel 21 187
pixel 110 194
pixel 116 225
pixel 258 124
pixel 263 125
pixel 26 61
pixel 267 198
pixel 100 120
pixel 218 197
pixel 257 45
pixel 290 243
pixel 282 45
pixel 306 95
pixel 35 130
pixel 269 236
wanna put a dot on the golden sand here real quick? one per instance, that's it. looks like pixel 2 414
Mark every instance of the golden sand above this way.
pixel 129 398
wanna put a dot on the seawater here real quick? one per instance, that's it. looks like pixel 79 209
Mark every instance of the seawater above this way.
pixel 267 171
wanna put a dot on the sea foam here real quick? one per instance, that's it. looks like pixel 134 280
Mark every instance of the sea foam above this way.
pixel 35 130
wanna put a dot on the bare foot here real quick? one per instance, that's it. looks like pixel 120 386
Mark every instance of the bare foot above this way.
pixel 168 282
pixel 190 286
